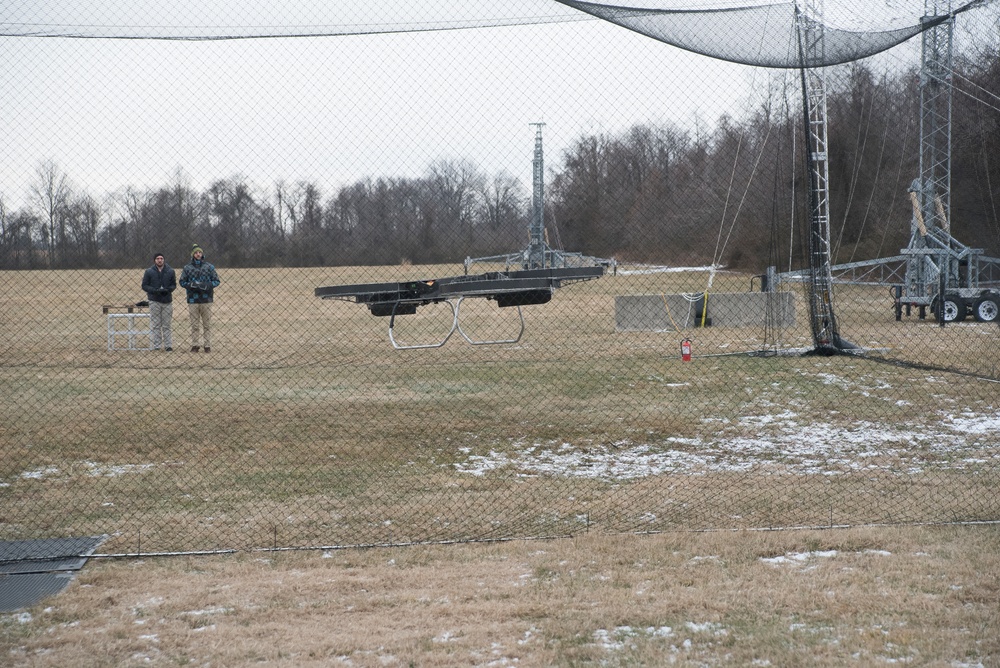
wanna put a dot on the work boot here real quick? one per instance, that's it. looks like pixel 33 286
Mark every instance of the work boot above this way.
pixel 169 349
pixel 207 349
pixel 194 349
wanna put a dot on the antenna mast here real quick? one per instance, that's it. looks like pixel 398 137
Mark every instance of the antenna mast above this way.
pixel 538 254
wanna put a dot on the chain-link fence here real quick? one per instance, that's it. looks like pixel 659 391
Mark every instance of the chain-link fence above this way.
pixel 535 275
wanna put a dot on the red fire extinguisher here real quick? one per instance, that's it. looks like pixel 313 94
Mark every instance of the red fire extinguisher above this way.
pixel 686 350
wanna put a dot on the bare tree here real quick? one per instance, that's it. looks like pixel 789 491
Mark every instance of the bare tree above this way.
pixel 51 192
pixel 82 222
pixel 504 215
pixel 232 206
pixel 16 242
pixel 454 189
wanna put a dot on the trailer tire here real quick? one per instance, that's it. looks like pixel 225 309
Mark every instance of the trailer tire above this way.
pixel 954 308
pixel 987 308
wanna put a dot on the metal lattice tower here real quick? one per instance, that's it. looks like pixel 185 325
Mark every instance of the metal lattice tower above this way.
pixel 933 267
pixel 935 116
pixel 538 254
pixel 536 245
pixel 822 320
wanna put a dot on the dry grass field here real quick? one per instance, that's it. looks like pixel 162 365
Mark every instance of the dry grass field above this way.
pixel 304 428
pixel 916 595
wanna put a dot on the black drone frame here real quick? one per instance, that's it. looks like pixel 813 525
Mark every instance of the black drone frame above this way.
pixel 507 288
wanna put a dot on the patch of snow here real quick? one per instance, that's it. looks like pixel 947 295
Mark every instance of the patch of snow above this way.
pixel 39 474
pixel 661 269
pixel 603 638
pixel 617 638
pixel 798 557
pixel 93 469
pixel 528 635
pixel 208 611
pixel 706 627
pixel 113 471
pixel 781 444
pixel 970 423
pixel 446 636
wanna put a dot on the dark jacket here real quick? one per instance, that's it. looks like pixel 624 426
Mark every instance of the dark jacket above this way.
pixel 200 280
pixel 158 285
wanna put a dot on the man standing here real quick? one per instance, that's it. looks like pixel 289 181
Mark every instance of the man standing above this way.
pixel 200 280
pixel 159 282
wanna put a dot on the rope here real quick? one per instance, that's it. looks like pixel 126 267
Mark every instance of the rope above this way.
pixel 874 182
pixel 725 207
pixel 670 317
pixel 959 75
pixel 859 151
pixel 794 160
pixel 753 172
pixel 692 298
pixel 292 31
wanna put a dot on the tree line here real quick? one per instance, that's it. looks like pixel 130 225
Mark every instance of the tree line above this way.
pixel 734 194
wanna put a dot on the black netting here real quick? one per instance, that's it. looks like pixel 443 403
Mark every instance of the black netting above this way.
pixel 773 42
pixel 221 20
pixel 541 278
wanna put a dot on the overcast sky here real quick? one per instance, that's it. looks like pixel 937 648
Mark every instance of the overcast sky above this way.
pixel 117 112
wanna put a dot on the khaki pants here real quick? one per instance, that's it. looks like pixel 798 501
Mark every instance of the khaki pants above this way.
pixel 201 323
pixel 160 315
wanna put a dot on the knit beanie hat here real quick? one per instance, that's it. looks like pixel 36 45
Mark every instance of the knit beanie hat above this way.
pixel 156 255
pixel 195 248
